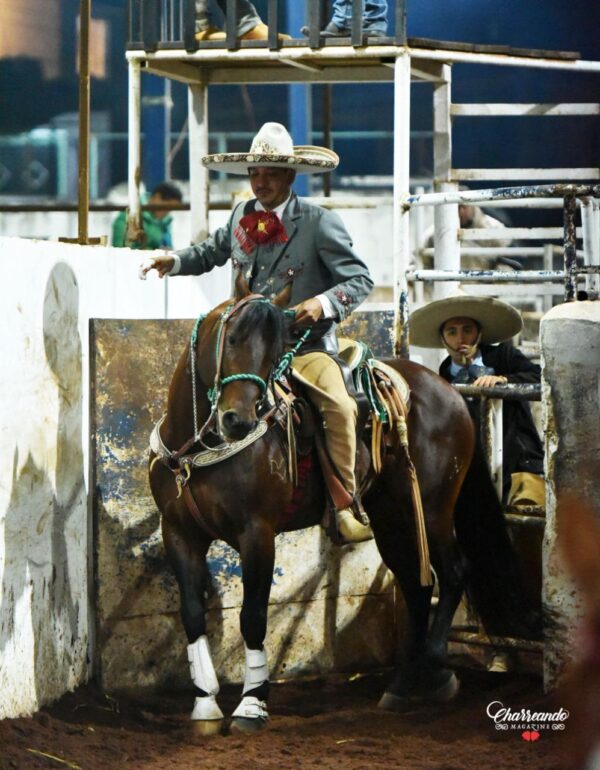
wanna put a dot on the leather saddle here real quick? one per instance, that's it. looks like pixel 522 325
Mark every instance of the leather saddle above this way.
pixel 383 400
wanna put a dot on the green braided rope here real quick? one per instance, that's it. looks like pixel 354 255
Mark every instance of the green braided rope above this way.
pixel 373 396
pixel 213 393
pixel 284 363
pixel 252 377
pixel 194 336
pixel 286 359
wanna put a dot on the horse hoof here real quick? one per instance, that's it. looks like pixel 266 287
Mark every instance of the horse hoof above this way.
pixel 391 702
pixel 250 716
pixel 446 692
pixel 207 727
pixel 246 725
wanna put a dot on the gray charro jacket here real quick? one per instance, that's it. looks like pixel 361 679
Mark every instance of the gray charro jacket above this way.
pixel 318 257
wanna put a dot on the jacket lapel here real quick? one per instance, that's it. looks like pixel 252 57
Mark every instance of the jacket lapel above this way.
pixel 290 215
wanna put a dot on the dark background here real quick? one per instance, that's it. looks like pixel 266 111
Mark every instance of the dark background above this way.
pixel 28 100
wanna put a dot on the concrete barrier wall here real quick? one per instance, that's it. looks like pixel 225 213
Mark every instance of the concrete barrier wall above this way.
pixel 48 293
pixel 370 228
pixel 570 343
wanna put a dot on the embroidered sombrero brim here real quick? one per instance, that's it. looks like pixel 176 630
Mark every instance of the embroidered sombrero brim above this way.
pixel 305 159
pixel 498 320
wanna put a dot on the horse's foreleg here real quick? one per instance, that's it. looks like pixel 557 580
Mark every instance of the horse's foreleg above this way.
pixel 187 554
pixel 257 552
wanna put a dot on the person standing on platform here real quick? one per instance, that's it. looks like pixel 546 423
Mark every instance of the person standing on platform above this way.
pixel 249 24
pixel 374 20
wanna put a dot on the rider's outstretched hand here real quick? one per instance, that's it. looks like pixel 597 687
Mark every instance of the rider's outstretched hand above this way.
pixel 163 265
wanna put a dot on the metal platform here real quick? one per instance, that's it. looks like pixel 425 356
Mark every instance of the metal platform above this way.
pixel 295 61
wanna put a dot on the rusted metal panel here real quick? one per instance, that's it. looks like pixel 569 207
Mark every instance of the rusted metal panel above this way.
pixel 376 328
pixel 330 608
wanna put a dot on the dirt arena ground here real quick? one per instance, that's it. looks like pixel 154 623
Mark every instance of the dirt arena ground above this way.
pixel 329 723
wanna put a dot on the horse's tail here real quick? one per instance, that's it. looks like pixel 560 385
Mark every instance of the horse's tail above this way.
pixel 493 580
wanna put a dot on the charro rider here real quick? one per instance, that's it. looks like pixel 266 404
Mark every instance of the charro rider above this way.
pixel 467 326
pixel 276 238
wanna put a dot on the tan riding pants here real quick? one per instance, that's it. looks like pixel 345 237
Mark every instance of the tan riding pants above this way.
pixel 327 391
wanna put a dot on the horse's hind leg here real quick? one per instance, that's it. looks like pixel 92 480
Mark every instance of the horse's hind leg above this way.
pixel 450 573
pixel 394 534
pixel 257 552
pixel 419 673
pixel 187 554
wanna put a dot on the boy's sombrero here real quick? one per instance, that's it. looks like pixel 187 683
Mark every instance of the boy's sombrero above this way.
pixel 498 320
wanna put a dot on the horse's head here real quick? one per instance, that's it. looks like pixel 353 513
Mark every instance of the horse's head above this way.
pixel 248 342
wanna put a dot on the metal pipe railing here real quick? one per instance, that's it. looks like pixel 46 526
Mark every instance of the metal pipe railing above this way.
pixel 569 194
pixel 155 23
pixel 492 399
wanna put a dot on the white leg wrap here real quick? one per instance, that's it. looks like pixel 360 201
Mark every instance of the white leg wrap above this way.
pixel 206 708
pixel 251 708
pixel 201 666
pixel 257 670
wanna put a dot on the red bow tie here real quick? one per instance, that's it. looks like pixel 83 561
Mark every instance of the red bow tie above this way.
pixel 263 227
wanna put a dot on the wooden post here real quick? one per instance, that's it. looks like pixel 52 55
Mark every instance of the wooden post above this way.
pixel 84 119
pixel 83 206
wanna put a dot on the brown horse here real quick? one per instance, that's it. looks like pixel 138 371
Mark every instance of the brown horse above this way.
pixel 579 540
pixel 220 382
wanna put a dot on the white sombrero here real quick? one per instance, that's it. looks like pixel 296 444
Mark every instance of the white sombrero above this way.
pixel 498 320
pixel 273 146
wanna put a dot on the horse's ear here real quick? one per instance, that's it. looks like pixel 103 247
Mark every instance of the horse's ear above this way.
pixel 241 287
pixel 284 296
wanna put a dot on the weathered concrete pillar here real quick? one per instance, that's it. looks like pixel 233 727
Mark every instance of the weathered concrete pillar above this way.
pixel 570 343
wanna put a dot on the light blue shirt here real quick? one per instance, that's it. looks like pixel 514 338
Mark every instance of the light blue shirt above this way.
pixel 477 361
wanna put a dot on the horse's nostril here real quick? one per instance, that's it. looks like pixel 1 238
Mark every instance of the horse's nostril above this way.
pixel 230 419
pixel 234 427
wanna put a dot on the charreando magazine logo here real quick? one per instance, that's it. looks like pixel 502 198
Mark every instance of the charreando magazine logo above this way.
pixel 529 724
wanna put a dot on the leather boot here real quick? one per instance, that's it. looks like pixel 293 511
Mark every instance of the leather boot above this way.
pixel 210 33
pixel 261 32
pixel 350 529
pixel 332 30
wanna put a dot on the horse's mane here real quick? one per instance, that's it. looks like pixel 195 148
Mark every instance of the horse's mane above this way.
pixel 263 315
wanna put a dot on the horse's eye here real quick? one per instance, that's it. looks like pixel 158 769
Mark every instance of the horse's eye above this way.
pixel 231 339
